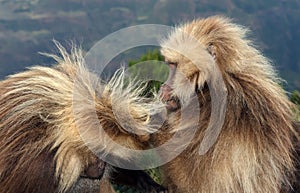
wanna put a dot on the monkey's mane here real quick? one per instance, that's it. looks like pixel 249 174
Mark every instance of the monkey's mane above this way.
pixel 44 112
pixel 254 150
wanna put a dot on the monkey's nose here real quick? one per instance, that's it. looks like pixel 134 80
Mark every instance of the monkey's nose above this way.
pixel 94 170
pixel 165 92
pixel 166 95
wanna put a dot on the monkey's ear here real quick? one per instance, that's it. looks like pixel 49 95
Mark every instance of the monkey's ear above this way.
pixel 212 50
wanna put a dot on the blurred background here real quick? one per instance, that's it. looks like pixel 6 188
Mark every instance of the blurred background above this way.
pixel 28 26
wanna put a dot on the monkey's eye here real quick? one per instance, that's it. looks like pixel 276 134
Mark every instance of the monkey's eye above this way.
pixel 173 64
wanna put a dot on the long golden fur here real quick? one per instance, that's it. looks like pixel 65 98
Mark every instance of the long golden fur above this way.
pixel 42 112
pixel 254 150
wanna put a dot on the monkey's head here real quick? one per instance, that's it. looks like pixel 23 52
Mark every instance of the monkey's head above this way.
pixel 117 114
pixel 97 118
pixel 194 50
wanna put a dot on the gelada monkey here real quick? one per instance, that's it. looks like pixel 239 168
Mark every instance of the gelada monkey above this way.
pixel 41 145
pixel 254 150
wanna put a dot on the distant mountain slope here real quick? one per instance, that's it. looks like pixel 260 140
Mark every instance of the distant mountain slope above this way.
pixel 27 26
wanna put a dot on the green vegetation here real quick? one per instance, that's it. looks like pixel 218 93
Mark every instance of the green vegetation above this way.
pixel 154 174
pixel 150 69
pixel 295 98
pixel 150 55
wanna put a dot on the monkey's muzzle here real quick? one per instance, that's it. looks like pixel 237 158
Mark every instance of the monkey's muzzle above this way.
pixel 94 170
pixel 172 102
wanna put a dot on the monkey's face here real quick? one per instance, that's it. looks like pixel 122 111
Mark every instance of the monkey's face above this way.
pixel 190 66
